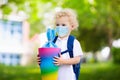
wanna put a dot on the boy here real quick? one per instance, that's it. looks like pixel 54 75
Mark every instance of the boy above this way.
pixel 66 21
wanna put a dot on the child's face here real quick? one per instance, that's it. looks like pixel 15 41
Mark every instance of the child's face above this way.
pixel 64 22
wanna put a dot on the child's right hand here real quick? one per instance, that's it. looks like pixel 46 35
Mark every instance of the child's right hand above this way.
pixel 38 59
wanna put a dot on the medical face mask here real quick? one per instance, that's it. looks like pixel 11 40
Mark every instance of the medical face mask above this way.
pixel 62 30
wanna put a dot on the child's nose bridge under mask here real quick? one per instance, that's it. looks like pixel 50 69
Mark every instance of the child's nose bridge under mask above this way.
pixel 62 30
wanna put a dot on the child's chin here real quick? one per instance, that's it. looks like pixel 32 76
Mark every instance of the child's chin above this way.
pixel 63 36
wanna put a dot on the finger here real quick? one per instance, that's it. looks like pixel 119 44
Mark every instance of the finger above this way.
pixel 56 63
pixel 38 55
pixel 56 57
pixel 39 63
pixel 38 58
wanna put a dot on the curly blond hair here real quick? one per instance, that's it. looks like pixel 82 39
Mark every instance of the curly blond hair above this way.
pixel 71 16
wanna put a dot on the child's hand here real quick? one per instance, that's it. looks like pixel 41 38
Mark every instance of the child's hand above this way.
pixel 38 59
pixel 58 60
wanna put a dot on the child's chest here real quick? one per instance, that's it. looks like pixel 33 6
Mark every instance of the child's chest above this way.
pixel 62 44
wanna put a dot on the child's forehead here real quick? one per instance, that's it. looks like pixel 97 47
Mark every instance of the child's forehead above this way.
pixel 62 19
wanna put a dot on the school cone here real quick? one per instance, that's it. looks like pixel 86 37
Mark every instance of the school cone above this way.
pixel 49 71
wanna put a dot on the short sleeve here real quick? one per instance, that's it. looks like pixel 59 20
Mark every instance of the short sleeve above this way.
pixel 77 50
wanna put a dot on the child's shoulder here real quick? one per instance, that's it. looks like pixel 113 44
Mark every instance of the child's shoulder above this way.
pixel 76 41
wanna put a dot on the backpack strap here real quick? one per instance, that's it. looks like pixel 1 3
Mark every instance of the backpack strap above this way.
pixel 70 45
pixel 55 39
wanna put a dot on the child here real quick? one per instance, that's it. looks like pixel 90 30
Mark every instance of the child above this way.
pixel 66 21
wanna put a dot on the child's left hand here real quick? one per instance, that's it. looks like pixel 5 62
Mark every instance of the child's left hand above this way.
pixel 58 60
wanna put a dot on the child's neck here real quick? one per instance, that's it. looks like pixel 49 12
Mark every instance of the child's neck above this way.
pixel 63 37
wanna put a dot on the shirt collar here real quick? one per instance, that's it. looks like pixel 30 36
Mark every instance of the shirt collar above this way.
pixel 66 38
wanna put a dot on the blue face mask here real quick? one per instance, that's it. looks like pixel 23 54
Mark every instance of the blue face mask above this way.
pixel 62 30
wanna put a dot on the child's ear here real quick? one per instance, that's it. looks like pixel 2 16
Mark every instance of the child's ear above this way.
pixel 72 27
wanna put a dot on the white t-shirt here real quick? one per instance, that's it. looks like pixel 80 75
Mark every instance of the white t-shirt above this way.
pixel 66 72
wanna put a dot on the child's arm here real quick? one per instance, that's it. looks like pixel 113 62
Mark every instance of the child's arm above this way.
pixel 71 61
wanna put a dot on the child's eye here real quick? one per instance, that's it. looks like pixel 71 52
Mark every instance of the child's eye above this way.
pixel 57 24
pixel 63 25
